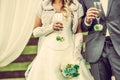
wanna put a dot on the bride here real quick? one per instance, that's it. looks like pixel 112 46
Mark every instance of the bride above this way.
pixel 60 39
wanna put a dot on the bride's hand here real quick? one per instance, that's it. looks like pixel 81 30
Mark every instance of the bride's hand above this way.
pixel 57 26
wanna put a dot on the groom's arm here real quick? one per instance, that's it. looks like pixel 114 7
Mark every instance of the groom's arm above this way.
pixel 88 17
pixel 84 26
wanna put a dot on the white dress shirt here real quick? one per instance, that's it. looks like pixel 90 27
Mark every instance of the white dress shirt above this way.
pixel 105 7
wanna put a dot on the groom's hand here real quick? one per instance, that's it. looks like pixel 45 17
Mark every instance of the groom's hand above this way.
pixel 91 14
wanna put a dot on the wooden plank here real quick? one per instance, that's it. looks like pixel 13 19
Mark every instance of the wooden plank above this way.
pixel 12 74
pixel 33 41
pixel 15 67
pixel 25 58
pixel 13 79
pixel 30 49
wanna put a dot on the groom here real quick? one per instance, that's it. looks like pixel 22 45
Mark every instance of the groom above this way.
pixel 103 41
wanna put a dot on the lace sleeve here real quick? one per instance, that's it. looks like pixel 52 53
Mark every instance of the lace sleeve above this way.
pixel 80 11
pixel 43 31
pixel 78 39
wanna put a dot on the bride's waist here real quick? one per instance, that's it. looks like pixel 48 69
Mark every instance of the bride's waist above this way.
pixel 58 42
pixel 67 37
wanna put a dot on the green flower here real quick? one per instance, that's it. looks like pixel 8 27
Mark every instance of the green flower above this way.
pixel 70 71
pixel 59 38
pixel 98 27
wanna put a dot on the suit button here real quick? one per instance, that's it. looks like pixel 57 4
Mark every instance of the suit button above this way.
pixel 104 34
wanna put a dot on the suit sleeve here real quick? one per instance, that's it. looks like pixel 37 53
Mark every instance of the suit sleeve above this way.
pixel 84 27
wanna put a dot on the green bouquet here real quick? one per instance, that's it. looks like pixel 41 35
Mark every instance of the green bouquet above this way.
pixel 70 70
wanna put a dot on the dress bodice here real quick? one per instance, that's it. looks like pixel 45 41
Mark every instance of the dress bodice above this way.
pixel 66 34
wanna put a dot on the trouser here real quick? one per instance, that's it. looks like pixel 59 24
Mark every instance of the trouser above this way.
pixel 108 64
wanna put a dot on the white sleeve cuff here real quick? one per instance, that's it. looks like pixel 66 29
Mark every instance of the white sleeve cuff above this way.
pixel 87 23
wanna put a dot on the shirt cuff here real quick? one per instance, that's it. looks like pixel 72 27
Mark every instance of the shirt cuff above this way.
pixel 87 23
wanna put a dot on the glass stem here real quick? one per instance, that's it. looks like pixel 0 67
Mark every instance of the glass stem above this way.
pixel 98 20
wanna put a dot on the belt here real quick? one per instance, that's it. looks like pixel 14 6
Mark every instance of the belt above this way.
pixel 107 38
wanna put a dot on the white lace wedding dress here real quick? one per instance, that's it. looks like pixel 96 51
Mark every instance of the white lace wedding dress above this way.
pixel 53 53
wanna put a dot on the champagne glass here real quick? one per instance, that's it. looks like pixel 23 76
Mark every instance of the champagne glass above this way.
pixel 58 17
pixel 98 26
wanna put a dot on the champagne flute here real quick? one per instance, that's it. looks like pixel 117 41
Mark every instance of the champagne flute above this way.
pixel 98 26
pixel 59 18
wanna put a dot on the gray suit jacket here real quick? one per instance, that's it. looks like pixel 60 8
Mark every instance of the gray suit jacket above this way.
pixel 95 40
